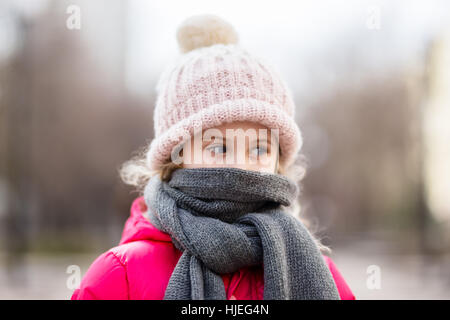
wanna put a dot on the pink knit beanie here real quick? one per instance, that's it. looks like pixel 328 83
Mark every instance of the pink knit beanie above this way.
pixel 216 81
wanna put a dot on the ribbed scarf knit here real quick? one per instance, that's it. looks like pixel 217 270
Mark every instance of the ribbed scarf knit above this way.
pixel 223 219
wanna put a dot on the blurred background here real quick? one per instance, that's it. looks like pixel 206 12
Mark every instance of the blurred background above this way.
pixel 372 87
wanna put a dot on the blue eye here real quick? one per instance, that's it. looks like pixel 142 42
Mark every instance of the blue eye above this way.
pixel 258 151
pixel 218 149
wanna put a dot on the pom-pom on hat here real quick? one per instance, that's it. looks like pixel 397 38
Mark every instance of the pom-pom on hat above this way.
pixel 216 81
pixel 204 31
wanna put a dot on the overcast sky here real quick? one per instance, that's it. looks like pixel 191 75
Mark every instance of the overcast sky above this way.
pixel 318 36
pixel 288 33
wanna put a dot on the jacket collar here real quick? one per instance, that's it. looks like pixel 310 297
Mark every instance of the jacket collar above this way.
pixel 137 227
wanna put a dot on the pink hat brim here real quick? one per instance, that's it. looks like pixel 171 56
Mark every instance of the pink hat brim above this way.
pixel 269 115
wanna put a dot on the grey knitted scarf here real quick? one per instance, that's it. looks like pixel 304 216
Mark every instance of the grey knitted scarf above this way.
pixel 223 219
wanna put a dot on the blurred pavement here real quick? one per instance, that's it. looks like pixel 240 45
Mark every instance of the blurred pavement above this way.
pixel 402 276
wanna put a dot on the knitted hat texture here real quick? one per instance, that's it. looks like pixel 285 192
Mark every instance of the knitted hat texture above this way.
pixel 216 81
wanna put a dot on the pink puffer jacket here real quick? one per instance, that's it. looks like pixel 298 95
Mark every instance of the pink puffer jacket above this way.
pixel 140 267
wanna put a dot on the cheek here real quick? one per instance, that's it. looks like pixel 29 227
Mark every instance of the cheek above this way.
pixel 266 169
pixel 207 157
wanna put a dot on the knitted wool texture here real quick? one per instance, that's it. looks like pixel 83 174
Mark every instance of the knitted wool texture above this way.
pixel 224 219
pixel 217 81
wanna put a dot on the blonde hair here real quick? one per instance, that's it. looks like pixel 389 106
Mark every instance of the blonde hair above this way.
pixel 135 172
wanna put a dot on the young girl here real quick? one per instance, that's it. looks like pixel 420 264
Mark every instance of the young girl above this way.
pixel 217 217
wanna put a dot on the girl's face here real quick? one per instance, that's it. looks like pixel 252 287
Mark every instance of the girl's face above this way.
pixel 245 145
